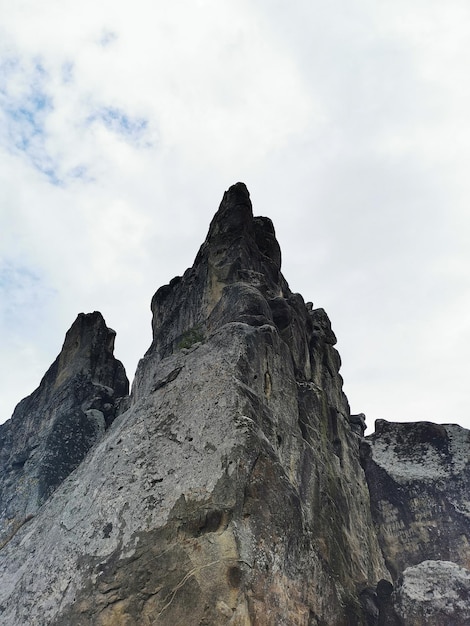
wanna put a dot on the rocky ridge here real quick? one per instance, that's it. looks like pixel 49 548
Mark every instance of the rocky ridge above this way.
pixel 233 486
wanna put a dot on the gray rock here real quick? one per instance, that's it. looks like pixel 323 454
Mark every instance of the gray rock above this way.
pixel 52 430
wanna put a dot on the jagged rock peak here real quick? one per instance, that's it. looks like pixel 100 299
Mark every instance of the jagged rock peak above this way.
pixel 235 213
pixel 51 430
pixel 88 348
pixel 236 278
pixel 235 275
pixel 234 220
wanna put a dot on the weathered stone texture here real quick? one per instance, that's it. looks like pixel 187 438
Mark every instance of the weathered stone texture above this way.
pixel 434 593
pixel 52 429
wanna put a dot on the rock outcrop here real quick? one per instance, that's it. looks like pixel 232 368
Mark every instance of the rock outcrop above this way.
pixel 229 487
pixel 52 429
pixel 418 475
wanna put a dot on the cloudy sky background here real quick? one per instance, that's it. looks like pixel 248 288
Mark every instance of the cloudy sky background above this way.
pixel 122 123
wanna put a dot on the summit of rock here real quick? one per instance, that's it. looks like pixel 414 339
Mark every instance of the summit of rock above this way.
pixel 235 273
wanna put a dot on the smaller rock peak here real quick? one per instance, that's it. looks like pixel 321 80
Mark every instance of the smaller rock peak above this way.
pixel 88 349
pixel 52 429
pixel 237 194
pixel 87 331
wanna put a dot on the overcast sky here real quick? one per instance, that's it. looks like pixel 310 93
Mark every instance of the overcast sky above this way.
pixel 122 123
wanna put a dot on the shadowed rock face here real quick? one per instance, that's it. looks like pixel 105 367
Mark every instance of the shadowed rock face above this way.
pixel 52 429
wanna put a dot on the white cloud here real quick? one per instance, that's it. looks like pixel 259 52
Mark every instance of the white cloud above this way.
pixel 122 124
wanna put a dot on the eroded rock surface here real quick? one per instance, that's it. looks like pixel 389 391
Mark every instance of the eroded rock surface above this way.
pixel 52 429
pixel 231 490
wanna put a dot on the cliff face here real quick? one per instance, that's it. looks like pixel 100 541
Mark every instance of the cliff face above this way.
pixel 52 429
pixel 229 488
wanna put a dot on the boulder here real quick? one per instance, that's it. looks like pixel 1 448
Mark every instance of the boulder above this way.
pixel 434 593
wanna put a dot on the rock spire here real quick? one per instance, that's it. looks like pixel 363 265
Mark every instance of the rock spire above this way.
pixel 52 429
pixel 233 486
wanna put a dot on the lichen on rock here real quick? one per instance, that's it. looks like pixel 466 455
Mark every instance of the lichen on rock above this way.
pixel 434 593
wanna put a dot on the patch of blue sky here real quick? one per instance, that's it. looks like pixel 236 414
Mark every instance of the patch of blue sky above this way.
pixel 67 71
pixel 81 171
pixel 24 295
pixel 107 38
pixel 132 129
pixel 25 115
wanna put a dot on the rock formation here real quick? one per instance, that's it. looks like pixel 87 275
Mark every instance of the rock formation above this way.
pixel 418 475
pixel 228 488
pixel 52 429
